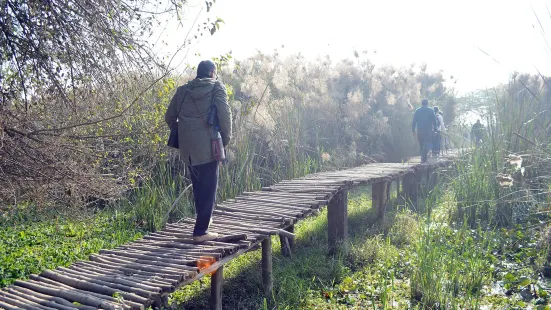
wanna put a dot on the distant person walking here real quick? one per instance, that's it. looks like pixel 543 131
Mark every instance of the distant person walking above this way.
pixel 439 132
pixel 424 121
pixel 190 108
pixel 477 133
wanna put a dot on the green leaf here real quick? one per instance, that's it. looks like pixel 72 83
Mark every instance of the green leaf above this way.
pixel 510 277
pixel 542 293
pixel 523 281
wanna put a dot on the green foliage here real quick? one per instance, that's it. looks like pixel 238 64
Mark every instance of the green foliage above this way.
pixel 405 230
pixel 476 188
pixel 30 243
pixel 460 256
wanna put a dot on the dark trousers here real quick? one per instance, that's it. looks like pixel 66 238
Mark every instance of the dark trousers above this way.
pixel 437 143
pixel 205 181
pixel 425 141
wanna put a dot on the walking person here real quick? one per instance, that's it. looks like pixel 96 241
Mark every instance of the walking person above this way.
pixel 439 132
pixel 424 121
pixel 477 133
pixel 190 108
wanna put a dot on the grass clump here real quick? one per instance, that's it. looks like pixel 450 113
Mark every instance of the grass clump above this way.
pixel 451 268
pixel 405 229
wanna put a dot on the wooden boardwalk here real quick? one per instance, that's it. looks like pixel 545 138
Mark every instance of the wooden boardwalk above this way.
pixel 142 273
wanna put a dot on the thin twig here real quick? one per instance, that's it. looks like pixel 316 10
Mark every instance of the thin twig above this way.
pixel 532 142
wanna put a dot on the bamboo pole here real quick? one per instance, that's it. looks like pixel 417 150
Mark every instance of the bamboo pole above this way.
pixel 85 299
pixel 63 302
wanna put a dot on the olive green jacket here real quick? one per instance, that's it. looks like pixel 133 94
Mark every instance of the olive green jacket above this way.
pixel 190 105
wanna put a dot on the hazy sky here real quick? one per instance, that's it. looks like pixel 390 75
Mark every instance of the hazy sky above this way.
pixel 446 35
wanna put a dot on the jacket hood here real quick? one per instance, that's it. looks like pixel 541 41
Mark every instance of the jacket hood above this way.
pixel 198 89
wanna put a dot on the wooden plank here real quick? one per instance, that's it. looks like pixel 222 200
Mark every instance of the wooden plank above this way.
pixel 173 251
pixel 137 288
pixel 166 253
pixel 73 295
pixel 138 282
pixel 235 233
pixel 265 208
pixel 5 305
pixel 21 303
pixel 292 204
pixel 295 195
pixel 139 266
pixel 117 269
pixel 44 300
pixel 102 289
pixel 273 213
pixel 134 255
pixel 45 282
pixel 162 242
pixel 59 301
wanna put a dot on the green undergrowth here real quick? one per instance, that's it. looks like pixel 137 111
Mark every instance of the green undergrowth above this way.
pixel 31 241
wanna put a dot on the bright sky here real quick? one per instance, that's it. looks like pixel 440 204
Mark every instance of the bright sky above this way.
pixel 446 35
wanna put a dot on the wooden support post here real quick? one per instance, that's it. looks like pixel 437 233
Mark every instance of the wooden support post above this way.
pixel 417 187
pixel 379 198
pixel 397 187
pixel 287 245
pixel 161 303
pixel 411 184
pixel 267 278
pixel 435 177
pixel 389 185
pixel 165 302
pixel 406 188
pixel 431 182
pixel 291 229
pixel 337 218
pixel 424 181
pixel 216 282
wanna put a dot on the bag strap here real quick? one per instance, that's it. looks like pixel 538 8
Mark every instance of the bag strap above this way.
pixel 180 109
pixel 199 112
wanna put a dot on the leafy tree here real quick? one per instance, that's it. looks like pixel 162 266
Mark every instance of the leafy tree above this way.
pixel 75 77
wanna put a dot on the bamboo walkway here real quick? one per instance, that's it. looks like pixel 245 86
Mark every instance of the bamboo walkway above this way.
pixel 141 274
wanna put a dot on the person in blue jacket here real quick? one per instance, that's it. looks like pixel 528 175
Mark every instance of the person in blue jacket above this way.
pixel 424 122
